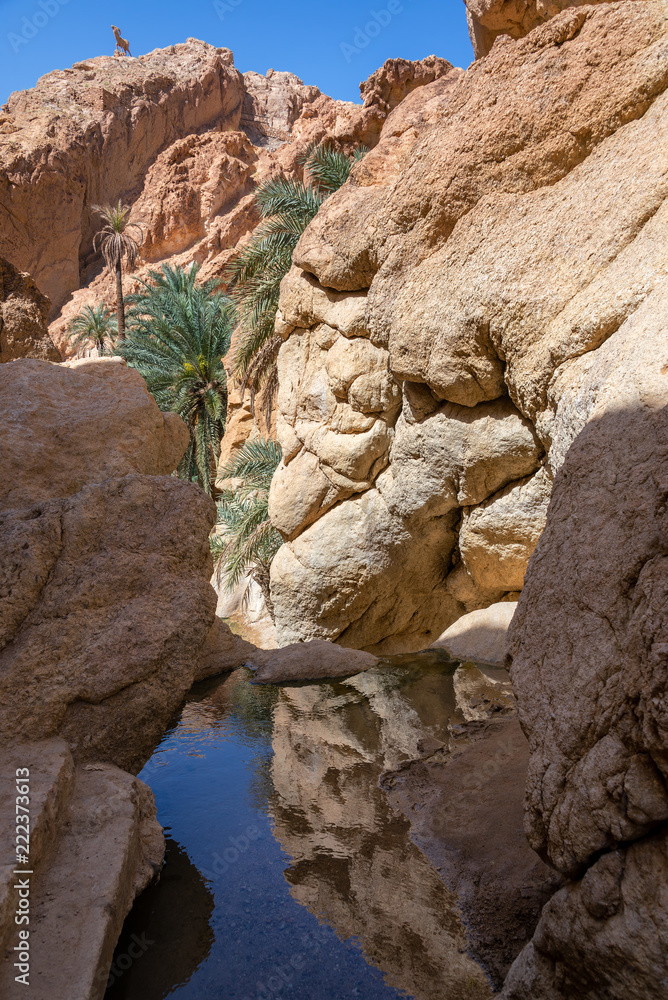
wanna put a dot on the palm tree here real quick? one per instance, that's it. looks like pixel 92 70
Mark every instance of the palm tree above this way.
pixel 255 274
pixel 246 539
pixel 93 323
pixel 117 243
pixel 178 333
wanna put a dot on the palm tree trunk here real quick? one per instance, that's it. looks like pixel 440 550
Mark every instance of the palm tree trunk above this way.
pixel 120 309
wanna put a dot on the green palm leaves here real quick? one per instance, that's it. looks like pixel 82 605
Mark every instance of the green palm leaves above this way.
pixel 255 275
pixel 246 539
pixel 328 169
pixel 178 333
pixel 94 324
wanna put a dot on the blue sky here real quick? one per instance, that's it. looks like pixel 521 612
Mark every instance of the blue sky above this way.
pixel 333 45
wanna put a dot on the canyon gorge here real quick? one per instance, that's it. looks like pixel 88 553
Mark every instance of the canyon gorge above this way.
pixel 472 415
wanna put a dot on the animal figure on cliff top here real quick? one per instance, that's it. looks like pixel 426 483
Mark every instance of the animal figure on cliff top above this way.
pixel 122 44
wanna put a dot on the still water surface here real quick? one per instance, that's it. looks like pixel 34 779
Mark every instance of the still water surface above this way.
pixel 287 874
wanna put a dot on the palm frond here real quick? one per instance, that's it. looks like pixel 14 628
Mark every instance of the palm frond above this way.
pixel 254 276
pixel 178 333
pixel 245 537
pixel 328 168
pixel 94 324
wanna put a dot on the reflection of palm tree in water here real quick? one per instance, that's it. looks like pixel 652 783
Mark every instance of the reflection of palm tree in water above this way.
pixel 354 863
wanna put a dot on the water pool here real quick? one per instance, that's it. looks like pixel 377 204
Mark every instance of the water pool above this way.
pixel 287 874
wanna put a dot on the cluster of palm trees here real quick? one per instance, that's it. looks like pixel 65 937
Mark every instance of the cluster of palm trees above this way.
pixel 177 332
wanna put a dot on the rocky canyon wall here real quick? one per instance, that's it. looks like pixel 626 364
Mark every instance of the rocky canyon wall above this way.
pixel 489 19
pixel 589 650
pixel 23 318
pixel 87 135
pixel 510 221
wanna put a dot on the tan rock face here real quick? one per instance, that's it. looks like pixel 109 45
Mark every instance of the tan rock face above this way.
pixel 497 539
pixel 497 131
pixel 273 103
pixel 23 314
pixel 490 18
pixel 483 245
pixel 105 564
pixel 96 420
pixel 588 646
pixel 366 577
pixel 109 618
pixel 397 78
pixel 87 135
pixel 187 186
pixel 94 840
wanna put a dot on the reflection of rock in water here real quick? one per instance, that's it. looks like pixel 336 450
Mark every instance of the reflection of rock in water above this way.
pixel 354 863
pixel 167 934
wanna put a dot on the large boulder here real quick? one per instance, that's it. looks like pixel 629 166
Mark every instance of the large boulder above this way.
pixel 65 426
pixel 105 568
pixel 308 661
pixel 23 315
pixel 479 636
pixel 108 600
pixel 589 646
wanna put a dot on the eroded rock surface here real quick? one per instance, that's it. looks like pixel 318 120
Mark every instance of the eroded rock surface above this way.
pixel 64 427
pixel 23 315
pixel 490 18
pixel 397 78
pixel 95 844
pixel 589 655
pixel 445 268
pixel 106 600
pixel 86 135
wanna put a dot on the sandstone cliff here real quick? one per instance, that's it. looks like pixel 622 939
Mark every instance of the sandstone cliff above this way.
pixel 509 221
pixel 488 19
pixel 589 666
pixel 86 135
pixel 181 136
pixel 23 315
pixel 184 139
